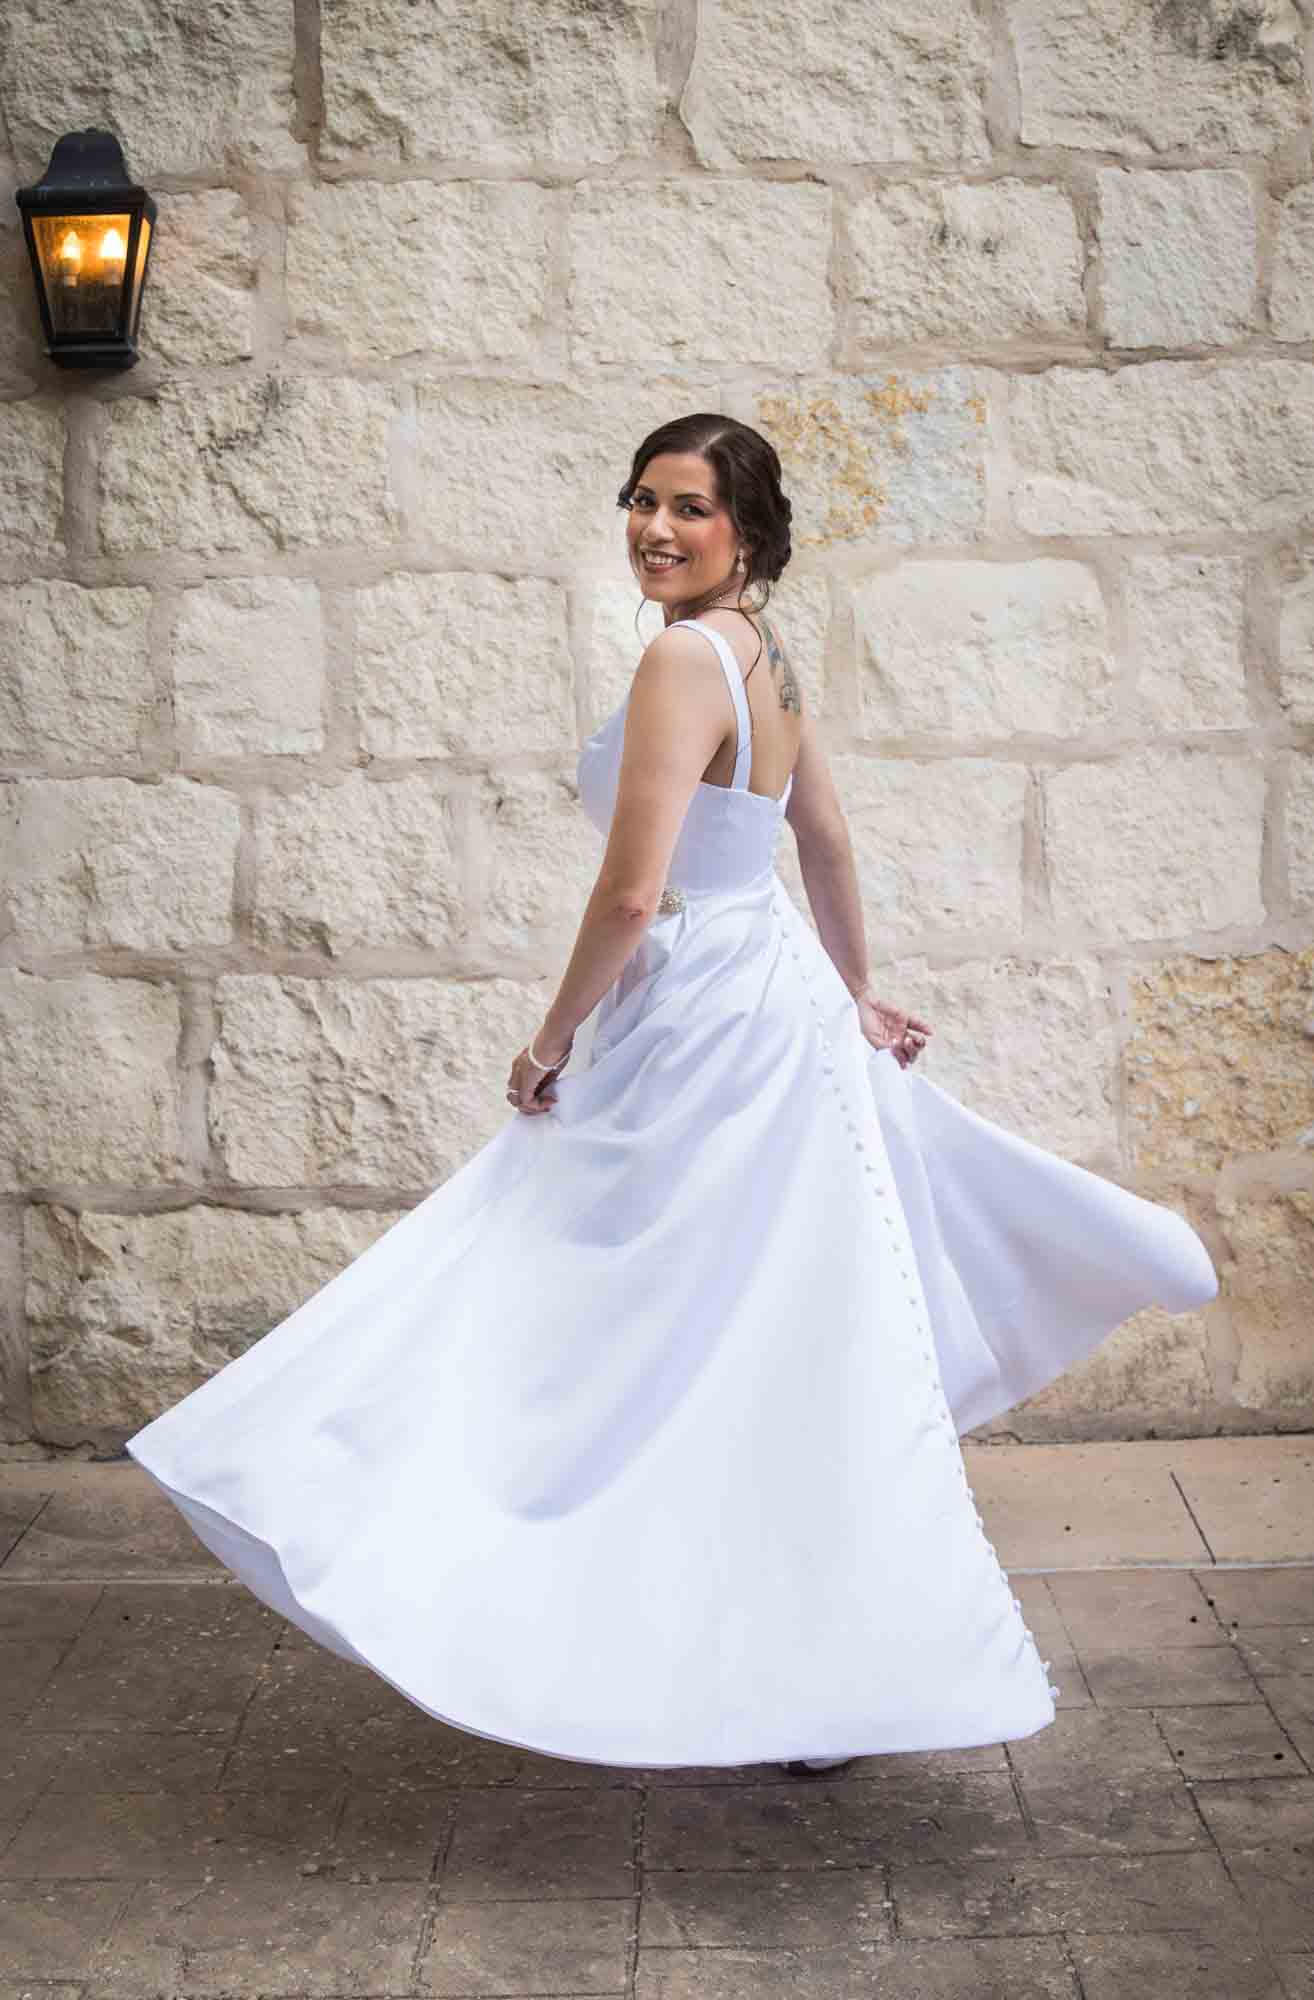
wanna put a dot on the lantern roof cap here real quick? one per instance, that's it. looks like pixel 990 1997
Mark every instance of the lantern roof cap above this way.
pixel 89 162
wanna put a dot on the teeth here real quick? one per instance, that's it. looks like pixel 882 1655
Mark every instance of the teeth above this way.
pixel 662 562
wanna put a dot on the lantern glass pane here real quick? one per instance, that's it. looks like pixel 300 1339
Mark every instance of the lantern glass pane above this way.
pixel 82 257
pixel 143 245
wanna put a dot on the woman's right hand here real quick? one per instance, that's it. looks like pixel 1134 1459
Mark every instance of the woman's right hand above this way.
pixel 890 1028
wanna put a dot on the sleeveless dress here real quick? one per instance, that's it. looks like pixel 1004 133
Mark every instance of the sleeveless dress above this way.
pixel 636 1441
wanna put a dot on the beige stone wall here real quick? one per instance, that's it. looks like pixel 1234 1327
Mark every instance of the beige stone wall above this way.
pixel 303 619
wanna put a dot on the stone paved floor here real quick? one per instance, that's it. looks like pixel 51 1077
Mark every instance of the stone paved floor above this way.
pixel 195 1799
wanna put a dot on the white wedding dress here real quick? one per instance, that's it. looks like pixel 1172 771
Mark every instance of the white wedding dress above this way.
pixel 636 1441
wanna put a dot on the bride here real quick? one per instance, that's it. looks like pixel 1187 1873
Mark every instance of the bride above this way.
pixel 636 1441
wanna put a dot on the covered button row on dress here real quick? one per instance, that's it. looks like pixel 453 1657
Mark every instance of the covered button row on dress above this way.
pixel 882 1189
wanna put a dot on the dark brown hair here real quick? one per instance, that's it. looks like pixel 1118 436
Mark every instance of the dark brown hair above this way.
pixel 747 468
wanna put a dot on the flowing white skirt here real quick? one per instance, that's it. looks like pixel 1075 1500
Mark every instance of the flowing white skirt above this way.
pixel 636 1441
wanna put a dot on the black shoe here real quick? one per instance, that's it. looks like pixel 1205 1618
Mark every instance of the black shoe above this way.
pixel 800 1767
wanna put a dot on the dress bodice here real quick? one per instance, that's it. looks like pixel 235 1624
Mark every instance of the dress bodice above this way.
pixel 729 834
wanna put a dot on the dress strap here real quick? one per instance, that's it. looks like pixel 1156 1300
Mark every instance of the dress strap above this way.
pixel 735 682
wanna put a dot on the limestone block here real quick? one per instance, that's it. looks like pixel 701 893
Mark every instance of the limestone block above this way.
pixel 1026 1042
pixel 248 667
pixel 1179 256
pixel 1291 308
pixel 879 458
pixel 1269 1285
pixel 663 273
pixel 32 477
pixel 21 340
pixel 1197 75
pixel 357 863
pixel 462 664
pixel 1217 1058
pixel 492 82
pixel 185 90
pixel 1165 447
pixel 983 649
pixel 457 269
pixel 533 472
pixel 256 463
pixel 541 859
pixel 1300 831
pixel 88 1089
pixel 373 1083
pixel 843 83
pixel 1153 1376
pixel 964 263
pixel 937 845
pixel 75 677
pixel 114 862
pixel 1186 638
pixel 129 1313
pixel 1296 637
pixel 200 295
pixel 1155 843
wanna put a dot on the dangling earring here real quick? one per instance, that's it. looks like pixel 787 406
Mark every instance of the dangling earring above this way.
pixel 739 560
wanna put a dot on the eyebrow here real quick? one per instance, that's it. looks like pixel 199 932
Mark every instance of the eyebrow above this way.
pixel 641 488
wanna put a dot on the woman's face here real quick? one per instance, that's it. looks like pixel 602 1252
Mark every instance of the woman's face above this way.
pixel 675 513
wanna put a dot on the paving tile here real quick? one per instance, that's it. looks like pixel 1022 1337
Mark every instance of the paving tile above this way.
pixel 130 1836
pixel 1082 1506
pixel 1277 1649
pixel 1246 1597
pixel 836 1824
pixel 134 1760
pixel 989 1969
pixel 108 1521
pixel 264 1937
pixel 578 1946
pixel 315 1719
pixel 43 1611
pixel 1253 1497
pixel 1094 1743
pixel 1276 1886
pixel 537 1846
pixel 1177 1965
pixel 157 1657
pixel 27 1766
pixel 1180 1675
pixel 1138 1814
pixel 18 1510
pixel 1142 1610
pixel 1096 1892
pixel 1257 1812
pixel 392 1835
pixel 797 1907
pixel 50 1930
pixel 26 1669
pixel 1291 1698
pixel 1238 1741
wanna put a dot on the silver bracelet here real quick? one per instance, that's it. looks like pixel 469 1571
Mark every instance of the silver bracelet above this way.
pixel 542 1065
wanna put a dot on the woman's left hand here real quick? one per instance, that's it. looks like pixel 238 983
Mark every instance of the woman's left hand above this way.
pixel 529 1086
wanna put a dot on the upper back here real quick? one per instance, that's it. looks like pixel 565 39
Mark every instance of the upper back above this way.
pixel 775 703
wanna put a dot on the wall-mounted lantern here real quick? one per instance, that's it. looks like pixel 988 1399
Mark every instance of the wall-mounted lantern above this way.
pixel 88 230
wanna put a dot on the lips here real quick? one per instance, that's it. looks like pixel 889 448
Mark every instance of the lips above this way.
pixel 657 560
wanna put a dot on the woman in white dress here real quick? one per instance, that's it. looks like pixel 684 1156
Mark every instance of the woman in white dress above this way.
pixel 636 1441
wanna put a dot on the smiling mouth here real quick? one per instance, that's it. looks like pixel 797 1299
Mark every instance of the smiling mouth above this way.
pixel 651 560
